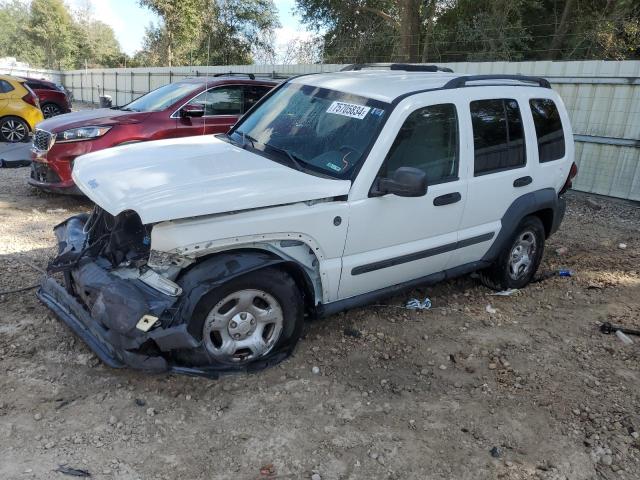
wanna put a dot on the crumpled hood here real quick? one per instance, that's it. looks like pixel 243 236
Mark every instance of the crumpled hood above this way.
pixel 192 176
pixel 85 118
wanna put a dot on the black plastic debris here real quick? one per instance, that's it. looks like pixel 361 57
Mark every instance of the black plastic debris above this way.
pixel 496 452
pixel 607 328
pixel 140 402
pixel 352 332
pixel 73 472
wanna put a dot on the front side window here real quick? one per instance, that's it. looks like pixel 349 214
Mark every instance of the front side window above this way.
pixel 316 128
pixel 162 97
pixel 427 140
pixel 548 129
pixel 498 136
pixel 221 100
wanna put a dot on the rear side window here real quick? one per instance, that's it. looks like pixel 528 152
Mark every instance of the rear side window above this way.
pixel 5 87
pixel 427 140
pixel 498 136
pixel 548 129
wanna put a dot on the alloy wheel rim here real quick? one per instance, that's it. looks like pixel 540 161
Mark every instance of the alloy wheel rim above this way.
pixel 50 111
pixel 13 131
pixel 522 255
pixel 243 326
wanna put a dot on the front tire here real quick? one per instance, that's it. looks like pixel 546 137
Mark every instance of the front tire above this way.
pixel 254 319
pixel 13 130
pixel 518 262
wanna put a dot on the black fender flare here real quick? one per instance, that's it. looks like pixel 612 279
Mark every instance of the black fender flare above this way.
pixel 527 204
pixel 215 271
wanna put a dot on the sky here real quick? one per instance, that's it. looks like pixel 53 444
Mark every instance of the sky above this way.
pixel 129 21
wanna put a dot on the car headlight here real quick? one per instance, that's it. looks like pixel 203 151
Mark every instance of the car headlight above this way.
pixel 82 133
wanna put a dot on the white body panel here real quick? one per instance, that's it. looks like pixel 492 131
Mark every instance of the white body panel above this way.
pixel 192 176
pixel 242 200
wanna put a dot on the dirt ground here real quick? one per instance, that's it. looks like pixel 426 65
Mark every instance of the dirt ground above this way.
pixel 531 391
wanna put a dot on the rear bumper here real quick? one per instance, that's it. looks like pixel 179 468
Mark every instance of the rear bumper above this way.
pixel 558 215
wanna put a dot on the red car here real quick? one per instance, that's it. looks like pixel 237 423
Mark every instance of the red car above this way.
pixel 195 106
pixel 54 99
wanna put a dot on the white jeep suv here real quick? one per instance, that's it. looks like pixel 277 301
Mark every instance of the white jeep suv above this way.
pixel 204 254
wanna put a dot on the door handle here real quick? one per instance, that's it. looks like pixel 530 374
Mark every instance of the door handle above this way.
pixel 447 199
pixel 522 181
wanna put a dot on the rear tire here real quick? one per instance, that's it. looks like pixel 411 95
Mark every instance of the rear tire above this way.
pixel 251 321
pixel 51 110
pixel 13 130
pixel 518 262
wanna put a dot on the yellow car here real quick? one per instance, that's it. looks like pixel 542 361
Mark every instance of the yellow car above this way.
pixel 19 109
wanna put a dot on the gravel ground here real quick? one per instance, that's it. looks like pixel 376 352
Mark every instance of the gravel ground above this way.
pixel 530 391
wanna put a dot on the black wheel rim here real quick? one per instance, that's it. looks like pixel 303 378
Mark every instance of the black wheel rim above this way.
pixel 50 111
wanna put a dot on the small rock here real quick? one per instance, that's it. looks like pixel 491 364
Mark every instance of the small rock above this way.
pixel 496 452
pixel 316 476
pixel 380 459
pixel 492 366
pixel 606 460
pixel 50 445
pixel 490 310
pixel 315 370
pixel 113 420
pixel 37 417
pixel 622 246
pixel 562 251
pixel 635 435
pixel 151 411
pixel 373 455
pixel 140 402
pixel 442 367
pixel 576 411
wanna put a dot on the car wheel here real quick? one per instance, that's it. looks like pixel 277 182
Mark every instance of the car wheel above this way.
pixel 518 262
pixel 50 110
pixel 249 320
pixel 13 130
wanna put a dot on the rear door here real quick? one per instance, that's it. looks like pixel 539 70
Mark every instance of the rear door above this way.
pixel 504 162
pixel 391 239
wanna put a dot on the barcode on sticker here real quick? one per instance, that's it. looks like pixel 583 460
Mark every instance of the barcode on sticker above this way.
pixel 349 110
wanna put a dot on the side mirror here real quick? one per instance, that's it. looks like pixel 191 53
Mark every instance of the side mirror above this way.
pixel 406 182
pixel 192 110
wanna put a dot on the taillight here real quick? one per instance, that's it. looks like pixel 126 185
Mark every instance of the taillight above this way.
pixel 572 174
pixel 31 98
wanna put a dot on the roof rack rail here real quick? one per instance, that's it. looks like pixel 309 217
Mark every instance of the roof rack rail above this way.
pixel 460 82
pixel 229 74
pixel 406 67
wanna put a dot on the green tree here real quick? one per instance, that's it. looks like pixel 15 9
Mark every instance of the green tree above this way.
pixel 181 18
pixel 51 28
pixel 14 38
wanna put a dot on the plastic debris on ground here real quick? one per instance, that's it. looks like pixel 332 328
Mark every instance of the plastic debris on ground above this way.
pixel 490 310
pixel 623 337
pixel 415 304
pixel 73 472
pixel 505 293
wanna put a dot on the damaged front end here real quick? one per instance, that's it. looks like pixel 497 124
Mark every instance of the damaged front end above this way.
pixel 124 310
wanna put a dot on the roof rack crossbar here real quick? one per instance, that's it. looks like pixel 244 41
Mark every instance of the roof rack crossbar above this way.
pixel 460 82
pixel 229 74
pixel 406 67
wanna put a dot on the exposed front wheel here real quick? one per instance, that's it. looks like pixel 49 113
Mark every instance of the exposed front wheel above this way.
pixel 13 130
pixel 519 260
pixel 249 319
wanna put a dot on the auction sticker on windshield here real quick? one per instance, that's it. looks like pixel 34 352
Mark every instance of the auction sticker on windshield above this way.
pixel 349 110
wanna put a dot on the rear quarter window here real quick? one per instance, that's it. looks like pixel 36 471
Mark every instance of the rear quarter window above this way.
pixel 551 145
pixel 5 87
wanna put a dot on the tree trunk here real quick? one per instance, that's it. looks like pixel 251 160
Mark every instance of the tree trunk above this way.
pixel 430 17
pixel 409 30
pixel 561 31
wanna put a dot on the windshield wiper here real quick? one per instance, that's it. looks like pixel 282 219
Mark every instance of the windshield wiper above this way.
pixel 292 158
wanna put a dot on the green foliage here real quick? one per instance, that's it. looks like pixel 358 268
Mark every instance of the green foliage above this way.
pixel 46 34
pixel 474 30
pixel 219 32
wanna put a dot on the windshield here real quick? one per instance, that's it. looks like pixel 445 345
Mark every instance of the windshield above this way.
pixel 162 97
pixel 315 128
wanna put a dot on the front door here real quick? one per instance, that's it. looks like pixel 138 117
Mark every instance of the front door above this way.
pixel 222 108
pixel 391 239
